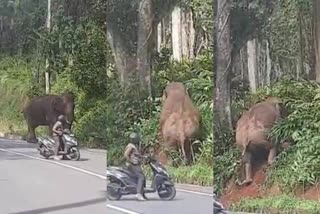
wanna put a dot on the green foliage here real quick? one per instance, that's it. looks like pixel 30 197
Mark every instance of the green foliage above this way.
pixel 203 14
pixel 15 85
pixel 88 70
pixel 280 204
pixel 299 165
pixel 295 167
pixel 197 174
pixel 81 61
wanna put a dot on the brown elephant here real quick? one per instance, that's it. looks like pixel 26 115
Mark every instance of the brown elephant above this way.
pixel 44 111
pixel 179 119
pixel 252 132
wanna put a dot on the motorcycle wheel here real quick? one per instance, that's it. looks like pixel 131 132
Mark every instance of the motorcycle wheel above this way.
pixel 167 193
pixel 43 153
pixel 113 192
pixel 73 154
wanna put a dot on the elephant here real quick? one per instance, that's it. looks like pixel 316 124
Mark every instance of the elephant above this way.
pixel 179 119
pixel 44 111
pixel 252 132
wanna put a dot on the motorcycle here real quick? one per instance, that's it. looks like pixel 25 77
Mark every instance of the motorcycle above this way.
pixel 121 181
pixel 218 208
pixel 69 149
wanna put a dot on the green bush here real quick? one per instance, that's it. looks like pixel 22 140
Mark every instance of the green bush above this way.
pixel 300 164
pixel 15 86
pixel 106 112
pixel 279 204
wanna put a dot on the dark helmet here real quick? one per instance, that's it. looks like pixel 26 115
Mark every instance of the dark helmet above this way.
pixel 134 138
pixel 61 118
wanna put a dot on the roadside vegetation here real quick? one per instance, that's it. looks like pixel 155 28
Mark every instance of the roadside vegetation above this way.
pixel 284 66
pixel 82 59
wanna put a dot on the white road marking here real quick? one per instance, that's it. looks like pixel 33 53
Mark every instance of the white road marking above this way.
pixel 197 193
pixel 57 163
pixel 122 209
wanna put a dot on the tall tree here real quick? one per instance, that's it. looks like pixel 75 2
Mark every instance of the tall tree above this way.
pixel 316 37
pixel 222 63
pixel 146 35
pixel 47 72
pixel 131 28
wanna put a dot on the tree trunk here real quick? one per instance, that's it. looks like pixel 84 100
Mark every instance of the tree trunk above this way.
pixel 222 64
pixel 47 72
pixel 125 62
pixel 146 34
pixel 187 33
pixel 192 35
pixel 268 64
pixel 316 37
pixel 159 36
pixel 252 64
pixel 176 34
pixel 166 31
pixel 300 70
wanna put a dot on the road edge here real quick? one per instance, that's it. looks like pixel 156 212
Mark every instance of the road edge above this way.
pixel 12 136
pixel 187 187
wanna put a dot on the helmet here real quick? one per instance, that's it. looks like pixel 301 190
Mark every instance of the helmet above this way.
pixel 61 118
pixel 134 138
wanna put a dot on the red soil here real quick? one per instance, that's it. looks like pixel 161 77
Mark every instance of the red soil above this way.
pixel 235 193
pixel 311 193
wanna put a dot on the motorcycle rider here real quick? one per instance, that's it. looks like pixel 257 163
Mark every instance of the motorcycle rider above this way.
pixel 57 134
pixel 218 208
pixel 134 161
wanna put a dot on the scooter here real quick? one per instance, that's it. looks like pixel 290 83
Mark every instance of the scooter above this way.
pixel 121 181
pixel 218 208
pixel 69 149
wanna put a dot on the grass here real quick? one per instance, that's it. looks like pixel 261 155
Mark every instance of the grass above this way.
pixel 196 174
pixel 278 204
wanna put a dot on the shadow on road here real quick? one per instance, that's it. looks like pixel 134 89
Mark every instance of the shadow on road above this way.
pixel 83 159
pixel 9 156
pixel 64 206
pixel 5 144
pixel 149 199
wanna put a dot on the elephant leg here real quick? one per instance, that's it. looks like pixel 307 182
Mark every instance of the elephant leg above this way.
pixel 50 132
pixel 186 150
pixel 182 145
pixel 170 145
pixel 272 155
pixel 247 159
pixel 32 135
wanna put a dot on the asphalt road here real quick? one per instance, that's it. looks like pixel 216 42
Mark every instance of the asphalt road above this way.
pixel 184 203
pixel 188 200
pixel 32 185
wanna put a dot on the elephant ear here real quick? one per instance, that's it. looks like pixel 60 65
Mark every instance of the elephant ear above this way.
pixel 283 110
pixel 58 104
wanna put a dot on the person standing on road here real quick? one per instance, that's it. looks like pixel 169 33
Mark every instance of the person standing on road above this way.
pixel 134 161
pixel 57 135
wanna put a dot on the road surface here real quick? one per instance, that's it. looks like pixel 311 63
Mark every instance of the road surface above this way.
pixel 189 200
pixel 33 185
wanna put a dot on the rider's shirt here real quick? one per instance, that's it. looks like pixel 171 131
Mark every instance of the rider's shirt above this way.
pixel 58 127
pixel 132 154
